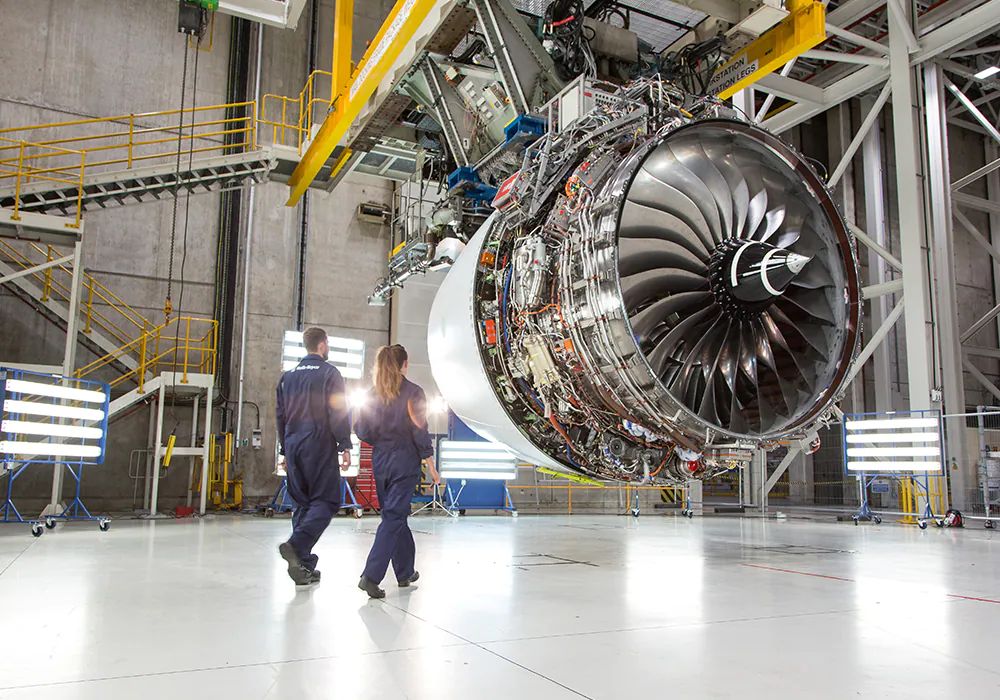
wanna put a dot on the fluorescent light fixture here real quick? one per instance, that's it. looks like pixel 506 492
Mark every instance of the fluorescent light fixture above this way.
pixel 54 449
pixel 298 351
pixel 349 358
pixel 875 466
pixel 456 455
pixel 54 391
pixel 891 423
pixel 476 459
pixel 350 372
pixel 51 430
pixel 468 474
pixel 293 337
pixel 893 451
pixel 49 410
pixel 987 72
pixel 872 438
pixel 346 343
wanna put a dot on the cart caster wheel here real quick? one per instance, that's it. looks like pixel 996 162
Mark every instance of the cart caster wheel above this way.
pixel 104 525
pixel 855 519
pixel 461 511
pixel 988 524
pixel 513 514
pixel 269 513
pixel 37 530
pixel 634 512
pixel 357 514
pixel 50 524
pixel 877 520
pixel 939 523
pixel 922 525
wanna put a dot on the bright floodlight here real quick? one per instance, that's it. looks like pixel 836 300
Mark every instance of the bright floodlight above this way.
pixel 346 354
pixel 19 386
pixel 33 408
pixel 476 459
pixel 880 443
pixel 32 449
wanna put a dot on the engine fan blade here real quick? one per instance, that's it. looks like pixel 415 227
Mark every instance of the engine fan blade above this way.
pixel 643 222
pixel 641 289
pixel 644 254
pixel 662 165
pixel 656 194
pixel 658 313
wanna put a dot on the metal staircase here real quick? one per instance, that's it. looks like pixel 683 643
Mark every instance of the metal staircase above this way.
pixel 73 166
pixel 106 321
pixel 150 183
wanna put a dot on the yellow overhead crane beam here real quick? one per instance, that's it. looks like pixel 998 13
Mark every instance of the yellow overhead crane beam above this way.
pixel 351 93
pixel 801 30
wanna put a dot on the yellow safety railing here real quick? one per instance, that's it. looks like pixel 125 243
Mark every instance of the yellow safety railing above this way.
pixel 130 140
pixel 23 163
pixel 100 308
pixel 291 119
pixel 183 344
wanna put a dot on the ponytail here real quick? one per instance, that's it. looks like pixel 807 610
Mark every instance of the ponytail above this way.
pixel 388 373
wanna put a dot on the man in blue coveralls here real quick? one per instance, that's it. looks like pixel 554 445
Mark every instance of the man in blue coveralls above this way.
pixel 313 425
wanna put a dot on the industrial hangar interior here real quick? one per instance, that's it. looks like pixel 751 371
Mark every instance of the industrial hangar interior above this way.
pixel 611 348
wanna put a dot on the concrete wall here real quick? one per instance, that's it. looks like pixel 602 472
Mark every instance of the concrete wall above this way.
pixel 77 59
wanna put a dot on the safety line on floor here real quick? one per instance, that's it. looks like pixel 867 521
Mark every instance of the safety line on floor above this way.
pixel 851 580
pixel 488 651
pixel 2 572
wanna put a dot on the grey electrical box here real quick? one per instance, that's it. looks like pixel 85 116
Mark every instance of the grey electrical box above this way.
pixel 256 439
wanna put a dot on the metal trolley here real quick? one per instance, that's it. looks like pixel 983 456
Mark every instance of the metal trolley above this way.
pixel 51 419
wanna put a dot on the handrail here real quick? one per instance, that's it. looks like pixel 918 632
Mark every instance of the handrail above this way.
pixel 184 350
pixel 301 121
pixel 20 168
pixel 132 320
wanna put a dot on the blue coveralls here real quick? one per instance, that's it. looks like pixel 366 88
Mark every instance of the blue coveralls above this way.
pixel 314 427
pixel 398 433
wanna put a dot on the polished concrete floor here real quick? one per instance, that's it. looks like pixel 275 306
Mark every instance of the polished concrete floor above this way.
pixel 534 607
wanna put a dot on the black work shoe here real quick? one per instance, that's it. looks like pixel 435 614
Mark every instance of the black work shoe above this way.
pixel 371 588
pixel 407 581
pixel 296 571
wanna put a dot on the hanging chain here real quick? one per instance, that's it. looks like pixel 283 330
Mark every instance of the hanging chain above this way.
pixel 168 303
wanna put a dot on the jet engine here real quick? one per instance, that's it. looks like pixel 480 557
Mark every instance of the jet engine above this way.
pixel 661 289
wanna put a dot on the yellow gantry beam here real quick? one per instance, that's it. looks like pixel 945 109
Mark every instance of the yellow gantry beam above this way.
pixel 801 30
pixel 396 33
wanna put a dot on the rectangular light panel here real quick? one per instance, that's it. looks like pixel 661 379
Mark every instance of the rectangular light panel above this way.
pixel 20 386
pixel 33 449
pixel 22 427
pixel 888 443
pixel 476 459
pixel 346 354
pixel 49 410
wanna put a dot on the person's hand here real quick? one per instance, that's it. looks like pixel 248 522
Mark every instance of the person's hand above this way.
pixel 432 471
pixel 345 460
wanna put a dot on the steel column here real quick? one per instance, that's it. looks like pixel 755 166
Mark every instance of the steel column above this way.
pixel 939 195
pixel 194 443
pixel 911 223
pixel 993 193
pixel 205 444
pixel 158 450
pixel 69 360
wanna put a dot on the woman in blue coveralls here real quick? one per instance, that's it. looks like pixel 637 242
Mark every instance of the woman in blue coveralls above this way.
pixel 394 423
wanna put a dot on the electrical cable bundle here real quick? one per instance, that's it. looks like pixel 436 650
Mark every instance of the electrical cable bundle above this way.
pixel 565 40
pixel 693 66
